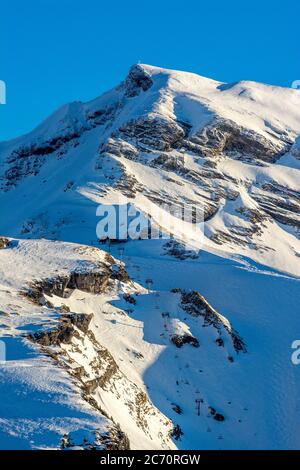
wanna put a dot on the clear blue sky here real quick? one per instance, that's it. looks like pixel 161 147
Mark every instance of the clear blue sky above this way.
pixel 56 51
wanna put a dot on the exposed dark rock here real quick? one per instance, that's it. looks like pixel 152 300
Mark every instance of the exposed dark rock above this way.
pixel 120 148
pixel 129 298
pixel 196 305
pixel 92 281
pixel 80 320
pixel 238 236
pixel 28 160
pixel 65 330
pixel 108 367
pixel 176 249
pixel 90 386
pixel 113 439
pixel 180 340
pixel 128 184
pixel 62 334
pixel 280 202
pixel 154 132
pixel 119 273
pixel 137 80
pixel 77 372
pixel 102 116
pixel 4 243
pixel 45 148
pixel 226 137
pixel 64 309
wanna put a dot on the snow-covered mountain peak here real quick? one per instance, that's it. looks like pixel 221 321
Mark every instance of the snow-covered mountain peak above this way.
pixel 266 102
pixel 211 141
pixel 180 95
pixel 183 340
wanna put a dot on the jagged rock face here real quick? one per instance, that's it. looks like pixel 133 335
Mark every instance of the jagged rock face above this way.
pixel 102 116
pixel 89 281
pixel 65 330
pixel 221 137
pixel 4 242
pixel 180 340
pixel 177 250
pixel 61 285
pixel 136 81
pixel 218 138
pixel 225 137
pixel 28 161
pixel 281 203
pixel 151 131
pixel 113 439
pixel 195 304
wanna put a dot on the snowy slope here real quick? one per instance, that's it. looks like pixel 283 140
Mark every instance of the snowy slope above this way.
pixel 161 137
pixel 36 282
pixel 40 404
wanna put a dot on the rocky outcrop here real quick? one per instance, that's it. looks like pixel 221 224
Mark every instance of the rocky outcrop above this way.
pixel 64 332
pixel 176 249
pixel 137 80
pixel 180 340
pixel 62 285
pixel 28 160
pixel 4 243
pixel 219 137
pixel 244 235
pixel 120 148
pixel 280 202
pixel 113 439
pixel 40 149
pixel 94 281
pixel 102 116
pixel 196 305
pixel 155 132
pixel 226 137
